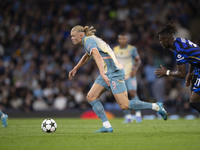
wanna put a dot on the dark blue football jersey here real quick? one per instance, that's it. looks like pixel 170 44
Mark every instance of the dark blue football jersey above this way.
pixel 186 51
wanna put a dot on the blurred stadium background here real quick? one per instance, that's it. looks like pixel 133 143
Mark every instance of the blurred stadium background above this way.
pixel 36 52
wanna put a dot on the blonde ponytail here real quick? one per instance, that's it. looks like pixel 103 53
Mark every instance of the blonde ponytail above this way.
pixel 89 30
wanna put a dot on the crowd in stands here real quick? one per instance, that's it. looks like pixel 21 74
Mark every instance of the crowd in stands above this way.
pixel 36 52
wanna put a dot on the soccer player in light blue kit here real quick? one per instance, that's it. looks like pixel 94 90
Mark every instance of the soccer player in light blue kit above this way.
pixel 128 56
pixel 3 118
pixel 111 76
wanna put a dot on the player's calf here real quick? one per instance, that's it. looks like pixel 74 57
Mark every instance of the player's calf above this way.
pixel 124 106
pixel 195 105
pixel 4 118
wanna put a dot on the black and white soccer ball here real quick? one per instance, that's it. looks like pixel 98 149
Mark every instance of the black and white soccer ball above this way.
pixel 49 125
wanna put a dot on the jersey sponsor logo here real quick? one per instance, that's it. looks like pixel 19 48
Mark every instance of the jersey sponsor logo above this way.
pixel 180 57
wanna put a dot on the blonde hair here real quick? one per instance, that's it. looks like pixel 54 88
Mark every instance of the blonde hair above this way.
pixel 87 30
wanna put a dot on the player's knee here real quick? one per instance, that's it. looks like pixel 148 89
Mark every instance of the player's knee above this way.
pixel 90 97
pixel 132 93
pixel 192 104
pixel 124 106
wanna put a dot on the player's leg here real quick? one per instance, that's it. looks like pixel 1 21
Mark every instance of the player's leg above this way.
pixel 132 91
pixel 124 103
pixel 119 91
pixel 195 96
pixel 128 116
pixel 195 101
pixel 95 92
pixel 127 113
pixel 134 96
pixel 3 118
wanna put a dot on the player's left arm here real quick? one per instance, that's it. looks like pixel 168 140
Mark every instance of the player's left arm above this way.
pixel 189 76
pixel 137 60
pixel 179 73
pixel 136 66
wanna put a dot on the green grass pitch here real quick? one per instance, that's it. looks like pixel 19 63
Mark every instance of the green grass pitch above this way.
pixel 77 134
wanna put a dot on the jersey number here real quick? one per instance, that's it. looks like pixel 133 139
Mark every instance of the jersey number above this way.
pixel 190 43
pixel 197 83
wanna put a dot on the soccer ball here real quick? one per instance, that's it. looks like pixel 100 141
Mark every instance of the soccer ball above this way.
pixel 49 125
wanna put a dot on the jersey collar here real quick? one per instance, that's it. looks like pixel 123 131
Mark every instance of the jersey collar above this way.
pixel 124 47
pixel 83 40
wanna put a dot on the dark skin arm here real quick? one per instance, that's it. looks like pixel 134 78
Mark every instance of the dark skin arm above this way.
pixel 179 73
pixel 189 76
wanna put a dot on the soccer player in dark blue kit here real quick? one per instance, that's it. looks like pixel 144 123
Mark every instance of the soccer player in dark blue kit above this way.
pixel 185 51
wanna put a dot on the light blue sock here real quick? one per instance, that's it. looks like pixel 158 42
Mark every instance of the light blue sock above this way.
pixel 137 111
pixel 138 105
pixel 99 110
pixel 127 112
pixel 1 113
pixel 135 98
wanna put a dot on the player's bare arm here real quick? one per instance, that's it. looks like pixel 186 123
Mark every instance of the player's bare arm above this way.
pixel 189 75
pixel 179 73
pixel 136 66
pixel 99 61
pixel 85 58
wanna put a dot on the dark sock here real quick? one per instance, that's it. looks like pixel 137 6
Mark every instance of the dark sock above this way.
pixel 195 105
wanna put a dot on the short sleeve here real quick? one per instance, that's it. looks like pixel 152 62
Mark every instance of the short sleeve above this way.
pixel 89 45
pixel 181 59
pixel 134 52
pixel 180 54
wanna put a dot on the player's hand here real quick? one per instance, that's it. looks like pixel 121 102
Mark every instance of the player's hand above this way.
pixel 72 73
pixel 160 72
pixel 133 73
pixel 188 79
pixel 105 78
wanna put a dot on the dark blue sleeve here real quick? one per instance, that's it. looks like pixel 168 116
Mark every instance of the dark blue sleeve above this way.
pixel 181 55
pixel 181 59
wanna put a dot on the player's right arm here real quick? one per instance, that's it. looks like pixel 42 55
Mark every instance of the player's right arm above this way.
pixel 85 58
pixel 181 68
pixel 179 73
